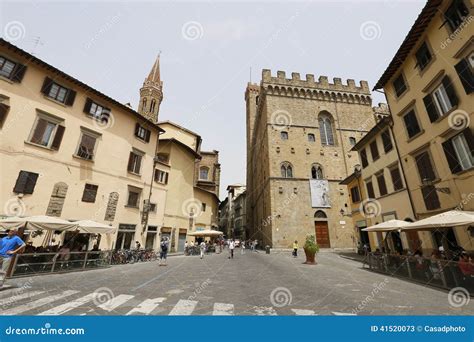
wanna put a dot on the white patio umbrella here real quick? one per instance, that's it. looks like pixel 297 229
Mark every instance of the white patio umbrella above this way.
pixel 207 232
pixel 387 226
pixel 448 219
pixel 92 227
pixel 41 222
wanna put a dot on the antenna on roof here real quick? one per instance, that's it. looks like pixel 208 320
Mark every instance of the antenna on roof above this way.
pixel 37 41
pixel 250 74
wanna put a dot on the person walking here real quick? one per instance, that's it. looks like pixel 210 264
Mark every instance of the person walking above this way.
pixel 242 248
pixel 295 249
pixel 231 249
pixel 203 248
pixel 9 246
pixel 163 251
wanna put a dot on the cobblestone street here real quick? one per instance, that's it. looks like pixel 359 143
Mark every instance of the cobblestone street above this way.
pixel 250 284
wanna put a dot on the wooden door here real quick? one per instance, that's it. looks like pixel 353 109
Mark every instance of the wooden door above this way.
pixel 322 234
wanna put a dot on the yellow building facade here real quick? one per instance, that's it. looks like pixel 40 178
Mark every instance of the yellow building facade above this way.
pixel 429 88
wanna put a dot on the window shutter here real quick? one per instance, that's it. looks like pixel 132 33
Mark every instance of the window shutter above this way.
pixel 87 107
pixel 425 168
pixel 105 115
pixel 469 139
pixel 465 75
pixel 155 177
pixel 39 131
pixel 430 197
pixel 451 157
pixel 58 137
pixel 4 109
pixel 130 162
pixel 430 108
pixel 18 72
pixel 20 182
pixel 147 136
pixel 449 87
pixel 137 127
pixel 31 182
pixel 71 95
pixel 166 177
pixel 48 82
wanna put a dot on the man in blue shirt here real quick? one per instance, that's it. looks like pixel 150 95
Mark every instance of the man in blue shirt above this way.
pixel 9 245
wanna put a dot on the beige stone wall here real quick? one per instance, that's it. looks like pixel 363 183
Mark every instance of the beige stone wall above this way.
pixel 211 161
pixel 108 170
pixel 296 103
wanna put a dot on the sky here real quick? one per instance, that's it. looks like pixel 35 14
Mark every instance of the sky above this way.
pixel 209 51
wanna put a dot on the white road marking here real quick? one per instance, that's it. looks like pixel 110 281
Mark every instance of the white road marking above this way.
pixel 223 309
pixel 302 312
pixel 37 303
pixel 147 306
pixel 265 311
pixel 183 308
pixel 16 297
pixel 59 310
pixel 115 302
pixel 343 313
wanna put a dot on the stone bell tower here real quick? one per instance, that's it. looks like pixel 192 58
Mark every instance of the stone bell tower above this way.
pixel 151 94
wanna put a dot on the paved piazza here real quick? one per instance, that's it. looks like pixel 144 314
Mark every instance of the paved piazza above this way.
pixel 250 284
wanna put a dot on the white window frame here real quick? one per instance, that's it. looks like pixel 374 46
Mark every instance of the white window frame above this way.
pixel 50 119
pixel 5 61
pixel 55 97
pixel 141 155
pixel 141 134
pixel 91 134
pixel 462 152
pixel 441 100
pixel 134 190
pixel 161 176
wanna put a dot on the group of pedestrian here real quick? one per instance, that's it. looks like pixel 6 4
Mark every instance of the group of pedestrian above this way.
pixel 9 246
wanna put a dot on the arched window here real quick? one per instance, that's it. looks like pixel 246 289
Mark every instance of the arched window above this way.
pixel 286 170
pixel 326 129
pixel 311 137
pixel 284 135
pixel 144 104
pixel 152 106
pixel 204 173
pixel 320 215
pixel 352 141
pixel 317 172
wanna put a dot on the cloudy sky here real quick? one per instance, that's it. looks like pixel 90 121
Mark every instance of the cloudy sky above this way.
pixel 209 51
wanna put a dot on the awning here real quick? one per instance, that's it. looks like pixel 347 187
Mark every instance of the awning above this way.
pixel 207 232
pixel 92 227
pixel 37 222
pixel 447 219
pixel 387 226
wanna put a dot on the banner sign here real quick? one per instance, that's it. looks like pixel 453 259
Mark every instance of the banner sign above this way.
pixel 319 193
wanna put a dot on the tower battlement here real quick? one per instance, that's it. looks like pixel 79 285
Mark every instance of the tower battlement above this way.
pixel 322 83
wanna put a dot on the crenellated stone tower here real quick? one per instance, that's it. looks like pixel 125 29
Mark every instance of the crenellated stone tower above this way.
pixel 300 133
pixel 151 94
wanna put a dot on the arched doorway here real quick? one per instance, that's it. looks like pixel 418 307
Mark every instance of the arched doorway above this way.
pixel 321 229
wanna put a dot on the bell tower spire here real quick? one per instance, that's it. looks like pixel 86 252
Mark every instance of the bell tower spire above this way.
pixel 151 94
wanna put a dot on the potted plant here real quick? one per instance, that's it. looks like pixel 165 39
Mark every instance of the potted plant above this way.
pixel 310 249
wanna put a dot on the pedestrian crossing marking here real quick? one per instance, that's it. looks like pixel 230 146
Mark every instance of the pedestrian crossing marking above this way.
pixel 37 303
pixel 223 309
pixel 343 313
pixel 59 310
pixel 147 306
pixel 183 308
pixel 16 297
pixel 265 311
pixel 302 312
pixel 115 302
